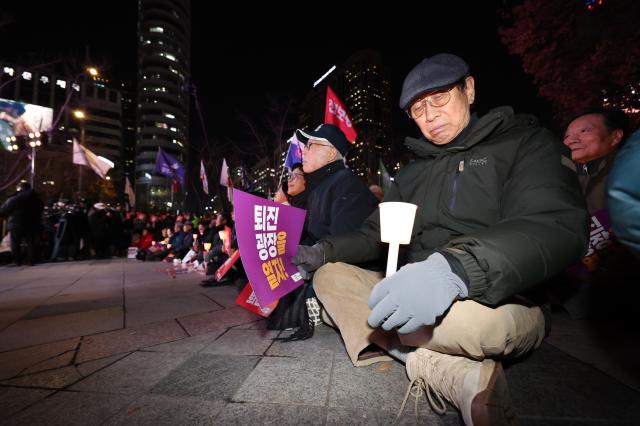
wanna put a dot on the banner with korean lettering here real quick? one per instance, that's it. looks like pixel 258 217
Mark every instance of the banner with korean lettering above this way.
pixel 268 234
pixel 336 112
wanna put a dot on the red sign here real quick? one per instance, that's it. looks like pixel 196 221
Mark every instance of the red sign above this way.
pixel 336 113
pixel 222 270
pixel 248 300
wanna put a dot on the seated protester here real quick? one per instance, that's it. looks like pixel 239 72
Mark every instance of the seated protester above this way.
pixel 217 254
pixel 174 241
pixel 337 202
pixel 198 244
pixel 187 241
pixel 594 138
pixel 498 215
pixel 296 185
pixel 624 195
pixel 143 244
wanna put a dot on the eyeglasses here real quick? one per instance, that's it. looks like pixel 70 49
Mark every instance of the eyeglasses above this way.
pixel 294 176
pixel 309 144
pixel 435 100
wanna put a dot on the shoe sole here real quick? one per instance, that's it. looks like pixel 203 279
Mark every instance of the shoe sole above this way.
pixel 492 406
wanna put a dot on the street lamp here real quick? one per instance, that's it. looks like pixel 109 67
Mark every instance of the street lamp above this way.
pixel 80 115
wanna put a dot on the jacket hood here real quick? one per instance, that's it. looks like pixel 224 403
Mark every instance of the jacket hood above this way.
pixel 498 120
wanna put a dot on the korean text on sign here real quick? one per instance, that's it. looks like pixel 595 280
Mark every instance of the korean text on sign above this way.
pixel 270 244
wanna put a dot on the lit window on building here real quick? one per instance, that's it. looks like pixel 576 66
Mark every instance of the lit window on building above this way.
pixel 44 79
pixel 156 30
pixel 8 70
pixel 76 87
pixel 26 75
pixel 61 83
pixel 162 125
pixel 166 114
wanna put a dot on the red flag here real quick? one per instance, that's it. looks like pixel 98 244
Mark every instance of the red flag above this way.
pixel 336 113
pixel 175 185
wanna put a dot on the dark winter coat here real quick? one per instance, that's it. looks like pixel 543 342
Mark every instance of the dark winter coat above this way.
pixel 502 202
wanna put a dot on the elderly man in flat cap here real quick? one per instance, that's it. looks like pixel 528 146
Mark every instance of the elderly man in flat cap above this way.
pixel 498 214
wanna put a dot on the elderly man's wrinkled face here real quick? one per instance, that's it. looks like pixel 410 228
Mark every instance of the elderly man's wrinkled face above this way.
pixel 441 124
pixel 317 154
pixel 589 138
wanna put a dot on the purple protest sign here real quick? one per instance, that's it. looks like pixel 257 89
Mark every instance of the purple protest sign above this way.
pixel 268 235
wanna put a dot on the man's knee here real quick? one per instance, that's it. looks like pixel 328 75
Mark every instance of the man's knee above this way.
pixel 328 276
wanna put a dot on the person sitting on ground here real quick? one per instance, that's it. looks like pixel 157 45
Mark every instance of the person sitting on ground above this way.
pixel 594 138
pixel 498 215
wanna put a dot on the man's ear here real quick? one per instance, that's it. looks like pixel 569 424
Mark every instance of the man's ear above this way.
pixel 616 137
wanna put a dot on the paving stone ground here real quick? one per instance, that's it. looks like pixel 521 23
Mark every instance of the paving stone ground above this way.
pixel 118 342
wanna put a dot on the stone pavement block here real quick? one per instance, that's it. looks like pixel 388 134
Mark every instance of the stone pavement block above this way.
pixel 287 381
pixel 162 410
pixel 211 321
pixel 87 368
pixel 553 384
pixel 381 385
pixel 13 400
pixel 52 309
pixel 256 325
pixel 270 414
pixel 372 416
pixel 14 362
pixel 52 379
pixel 324 343
pixel 134 374
pixel 189 344
pixel 242 342
pixel 26 298
pixel 71 408
pixel 128 339
pixel 145 311
pixel 9 315
pixel 212 377
pixel 224 295
pixel 61 360
pixel 86 293
pixel 50 329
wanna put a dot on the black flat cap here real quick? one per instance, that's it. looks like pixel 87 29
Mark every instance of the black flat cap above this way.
pixel 328 133
pixel 437 72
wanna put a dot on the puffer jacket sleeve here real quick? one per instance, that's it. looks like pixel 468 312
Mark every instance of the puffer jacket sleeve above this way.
pixel 362 244
pixel 542 231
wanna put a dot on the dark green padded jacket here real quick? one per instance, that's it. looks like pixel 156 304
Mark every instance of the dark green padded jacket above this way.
pixel 503 202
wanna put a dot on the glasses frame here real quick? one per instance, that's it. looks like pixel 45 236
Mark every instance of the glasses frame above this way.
pixel 308 145
pixel 294 176
pixel 428 99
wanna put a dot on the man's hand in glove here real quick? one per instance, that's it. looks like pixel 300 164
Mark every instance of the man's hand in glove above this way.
pixel 415 295
pixel 309 258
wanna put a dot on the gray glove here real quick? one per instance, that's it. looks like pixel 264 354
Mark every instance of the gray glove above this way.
pixel 309 258
pixel 415 295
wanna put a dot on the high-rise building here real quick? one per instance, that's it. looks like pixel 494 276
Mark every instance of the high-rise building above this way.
pixel 362 84
pixel 164 39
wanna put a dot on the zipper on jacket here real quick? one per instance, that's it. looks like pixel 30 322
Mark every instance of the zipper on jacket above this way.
pixel 585 169
pixel 454 190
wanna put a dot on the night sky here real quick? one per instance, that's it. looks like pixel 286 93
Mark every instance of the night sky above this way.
pixel 238 58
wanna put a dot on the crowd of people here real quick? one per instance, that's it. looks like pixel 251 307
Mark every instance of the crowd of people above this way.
pixel 509 220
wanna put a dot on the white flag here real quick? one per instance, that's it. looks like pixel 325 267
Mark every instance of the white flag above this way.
pixel 84 157
pixel 224 174
pixel 128 189
pixel 203 178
